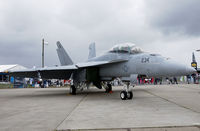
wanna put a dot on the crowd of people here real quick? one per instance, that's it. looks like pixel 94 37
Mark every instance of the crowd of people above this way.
pixel 190 79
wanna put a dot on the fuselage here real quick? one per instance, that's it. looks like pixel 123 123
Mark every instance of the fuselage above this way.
pixel 152 65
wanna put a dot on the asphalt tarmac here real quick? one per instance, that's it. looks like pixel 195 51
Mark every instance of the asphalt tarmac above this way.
pixel 159 108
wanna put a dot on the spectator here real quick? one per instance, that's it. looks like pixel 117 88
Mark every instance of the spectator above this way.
pixel 188 79
pixel 175 80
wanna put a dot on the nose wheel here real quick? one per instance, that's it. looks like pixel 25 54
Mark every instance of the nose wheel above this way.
pixel 126 95
pixel 130 95
pixel 123 95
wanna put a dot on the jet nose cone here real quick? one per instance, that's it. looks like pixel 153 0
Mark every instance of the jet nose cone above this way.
pixel 178 69
pixel 190 70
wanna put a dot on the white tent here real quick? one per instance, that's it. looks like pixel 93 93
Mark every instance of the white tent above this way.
pixel 4 69
pixel 7 68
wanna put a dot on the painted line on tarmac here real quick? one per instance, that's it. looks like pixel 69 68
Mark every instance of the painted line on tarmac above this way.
pixel 157 128
pixel 73 109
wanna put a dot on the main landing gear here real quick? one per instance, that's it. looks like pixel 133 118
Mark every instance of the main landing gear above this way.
pixel 126 94
pixel 72 90
pixel 108 88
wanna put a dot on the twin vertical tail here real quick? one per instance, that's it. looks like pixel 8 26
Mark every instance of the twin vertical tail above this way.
pixel 63 56
pixel 92 51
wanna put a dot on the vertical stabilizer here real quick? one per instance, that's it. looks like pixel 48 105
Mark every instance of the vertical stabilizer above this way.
pixel 92 51
pixel 63 56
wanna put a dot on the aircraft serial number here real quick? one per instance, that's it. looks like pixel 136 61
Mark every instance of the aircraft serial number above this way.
pixel 145 60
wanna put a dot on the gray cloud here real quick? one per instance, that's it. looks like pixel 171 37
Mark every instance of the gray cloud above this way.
pixel 175 16
pixel 153 25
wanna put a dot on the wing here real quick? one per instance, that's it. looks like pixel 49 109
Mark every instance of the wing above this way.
pixel 60 72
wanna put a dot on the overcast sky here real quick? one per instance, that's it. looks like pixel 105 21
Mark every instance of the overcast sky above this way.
pixel 170 28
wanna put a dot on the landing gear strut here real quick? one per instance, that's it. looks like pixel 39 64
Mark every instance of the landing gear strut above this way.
pixel 126 94
pixel 109 88
pixel 72 90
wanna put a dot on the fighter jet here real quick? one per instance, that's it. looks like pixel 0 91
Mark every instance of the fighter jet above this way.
pixel 123 61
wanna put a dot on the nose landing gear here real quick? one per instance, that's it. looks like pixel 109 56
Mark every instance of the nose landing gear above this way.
pixel 126 94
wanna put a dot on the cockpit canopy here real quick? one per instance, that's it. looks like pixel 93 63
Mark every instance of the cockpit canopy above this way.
pixel 126 48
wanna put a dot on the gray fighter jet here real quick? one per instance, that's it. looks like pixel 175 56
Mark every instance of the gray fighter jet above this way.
pixel 123 61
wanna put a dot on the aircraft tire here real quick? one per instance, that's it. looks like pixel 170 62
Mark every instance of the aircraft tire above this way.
pixel 123 95
pixel 109 88
pixel 72 90
pixel 42 85
pixel 130 95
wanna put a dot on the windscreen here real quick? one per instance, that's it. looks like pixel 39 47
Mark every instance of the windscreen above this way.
pixel 126 48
